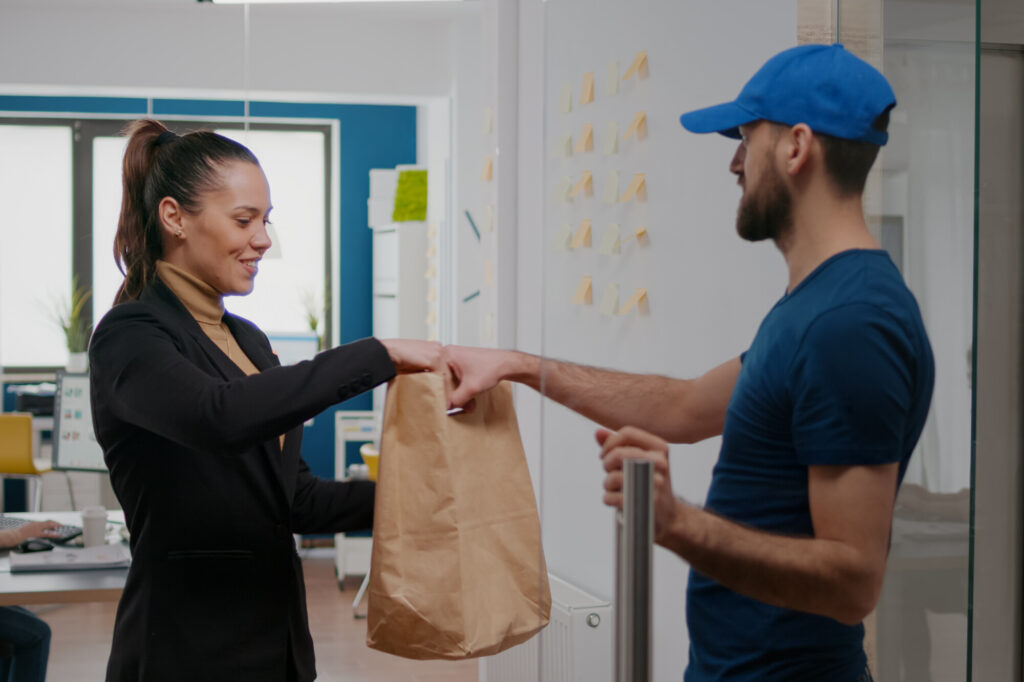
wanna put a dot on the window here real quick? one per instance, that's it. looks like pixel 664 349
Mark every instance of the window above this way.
pixel 35 242
pixel 61 187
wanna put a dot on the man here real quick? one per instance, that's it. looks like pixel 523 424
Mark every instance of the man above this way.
pixel 818 417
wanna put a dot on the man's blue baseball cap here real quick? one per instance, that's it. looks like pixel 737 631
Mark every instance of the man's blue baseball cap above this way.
pixel 823 86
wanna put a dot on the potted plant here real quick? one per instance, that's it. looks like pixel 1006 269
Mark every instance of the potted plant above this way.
pixel 71 317
pixel 314 314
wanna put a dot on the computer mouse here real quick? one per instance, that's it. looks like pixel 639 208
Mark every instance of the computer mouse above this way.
pixel 35 545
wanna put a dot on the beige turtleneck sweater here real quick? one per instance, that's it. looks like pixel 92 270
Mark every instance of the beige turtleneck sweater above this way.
pixel 205 305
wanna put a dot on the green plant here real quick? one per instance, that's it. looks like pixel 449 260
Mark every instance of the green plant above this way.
pixel 71 317
pixel 314 313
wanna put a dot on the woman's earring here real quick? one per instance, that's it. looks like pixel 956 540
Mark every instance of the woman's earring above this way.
pixel 179 234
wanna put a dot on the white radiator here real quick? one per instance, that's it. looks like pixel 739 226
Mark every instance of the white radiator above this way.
pixel 576 646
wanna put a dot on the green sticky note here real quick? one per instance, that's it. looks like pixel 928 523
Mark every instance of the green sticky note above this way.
pixel 411 196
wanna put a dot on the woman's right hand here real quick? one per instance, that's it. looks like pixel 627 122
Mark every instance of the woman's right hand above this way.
pixel 409 355
pixel 38 529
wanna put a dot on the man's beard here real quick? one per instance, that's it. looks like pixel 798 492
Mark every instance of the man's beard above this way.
pixel 768 214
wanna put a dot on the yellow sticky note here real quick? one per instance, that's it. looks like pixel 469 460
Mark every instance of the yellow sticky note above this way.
pixel 611 138
pixel 431 317
pixel 585 142
pixel 431 273
pixel 566 102
pixel 488 218
pixel 610 299
pixel 584 292
pixel 611 242
pixel 587 94
pixel 639 298
pixel 487 174
pixel 488 120
pixel 612 80
pixel 432 251
pixel 563 240
pixel 611 188
pixel 431 294
pixel 641 234
pixel 585 185
pixel 487 327
pixel 637 188
pixel 562 148
pixel 488 273
pixel 563 189
pixel 432 230
pixel 582 236
pixel 637 127
pixel 639 66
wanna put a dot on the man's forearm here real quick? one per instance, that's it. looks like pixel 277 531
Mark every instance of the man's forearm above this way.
pixel 808 574
pixel 610 398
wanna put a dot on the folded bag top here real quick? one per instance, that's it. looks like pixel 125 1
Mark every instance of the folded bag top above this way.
pixel 457 568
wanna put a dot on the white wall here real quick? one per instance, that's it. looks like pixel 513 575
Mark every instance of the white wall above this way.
pixel 708 289
pixel 345 49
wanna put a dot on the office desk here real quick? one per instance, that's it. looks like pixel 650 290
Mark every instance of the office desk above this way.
pixel 60 586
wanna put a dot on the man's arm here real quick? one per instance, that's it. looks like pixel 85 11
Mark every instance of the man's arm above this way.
pixel 837 573
pixel 678 410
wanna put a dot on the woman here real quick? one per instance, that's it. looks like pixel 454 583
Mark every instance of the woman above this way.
pixel 26 636
pixel 201 427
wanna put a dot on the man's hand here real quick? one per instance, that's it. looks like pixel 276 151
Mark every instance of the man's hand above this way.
pixel 474 370
pixel 409 355
pixel 630 442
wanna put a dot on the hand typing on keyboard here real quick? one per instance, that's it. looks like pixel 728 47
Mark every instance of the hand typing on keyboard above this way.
pixel 11 537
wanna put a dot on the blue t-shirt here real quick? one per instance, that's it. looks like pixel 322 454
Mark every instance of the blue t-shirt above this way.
pixel 840 372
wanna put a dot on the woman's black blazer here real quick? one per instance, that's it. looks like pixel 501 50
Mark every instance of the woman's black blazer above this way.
pixel 215 589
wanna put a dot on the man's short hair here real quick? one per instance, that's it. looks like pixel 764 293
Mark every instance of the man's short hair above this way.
pixel 848 161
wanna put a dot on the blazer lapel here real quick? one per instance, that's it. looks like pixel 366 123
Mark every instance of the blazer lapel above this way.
pixel 250 342
pixel 255 346
pixel 160 293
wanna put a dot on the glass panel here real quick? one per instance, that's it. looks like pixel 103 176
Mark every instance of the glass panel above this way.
pixel 923 210
pixel 642 269
pixel 291 279
pixel 107 154
pixel 35 245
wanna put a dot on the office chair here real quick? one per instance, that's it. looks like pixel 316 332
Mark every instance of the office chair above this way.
pixel 16 456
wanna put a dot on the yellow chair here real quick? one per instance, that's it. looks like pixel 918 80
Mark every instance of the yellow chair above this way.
pixel 16 456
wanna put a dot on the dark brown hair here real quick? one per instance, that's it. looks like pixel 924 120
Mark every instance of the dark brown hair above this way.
pixel 848 161
pixel 158 165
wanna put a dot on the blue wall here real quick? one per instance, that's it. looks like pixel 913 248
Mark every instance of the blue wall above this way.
pixel 372 136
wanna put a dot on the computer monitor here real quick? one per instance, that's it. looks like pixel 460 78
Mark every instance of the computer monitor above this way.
pixel 74 443
pixel 292 347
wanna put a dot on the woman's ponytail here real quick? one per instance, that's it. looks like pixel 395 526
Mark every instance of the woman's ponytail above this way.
pixel 137 244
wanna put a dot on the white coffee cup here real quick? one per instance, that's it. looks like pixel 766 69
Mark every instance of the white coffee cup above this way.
pixel 94 526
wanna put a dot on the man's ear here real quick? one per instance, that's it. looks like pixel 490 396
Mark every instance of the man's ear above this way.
pixel 172 218
pixel 799 144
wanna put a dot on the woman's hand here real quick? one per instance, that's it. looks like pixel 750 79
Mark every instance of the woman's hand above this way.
pixel 409 355
pixel 37 529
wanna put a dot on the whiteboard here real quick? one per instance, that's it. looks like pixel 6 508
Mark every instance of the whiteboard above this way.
pixel 74 443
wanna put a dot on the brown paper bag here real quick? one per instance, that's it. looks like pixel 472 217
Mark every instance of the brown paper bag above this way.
pixel 457 568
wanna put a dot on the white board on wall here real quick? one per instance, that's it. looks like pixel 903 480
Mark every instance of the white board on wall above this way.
pixel 707 290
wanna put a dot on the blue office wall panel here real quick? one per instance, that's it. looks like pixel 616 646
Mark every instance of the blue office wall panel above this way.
pixel 135 106
pixel 197 107
pixel 372 136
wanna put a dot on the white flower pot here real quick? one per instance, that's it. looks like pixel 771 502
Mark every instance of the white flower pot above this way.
pixel 78 362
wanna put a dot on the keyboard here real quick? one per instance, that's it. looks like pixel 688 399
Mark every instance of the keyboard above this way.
pixel 63 533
